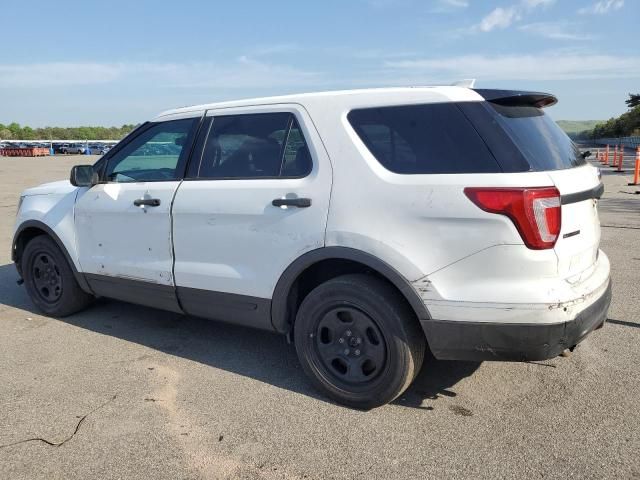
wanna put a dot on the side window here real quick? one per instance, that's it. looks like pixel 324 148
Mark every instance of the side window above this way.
pixel 423 139
pixel 389 146
pixel 254 146
pixel 156 154
pixel 297 159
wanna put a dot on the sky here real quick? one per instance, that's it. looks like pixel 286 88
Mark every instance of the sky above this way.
pixel 106 63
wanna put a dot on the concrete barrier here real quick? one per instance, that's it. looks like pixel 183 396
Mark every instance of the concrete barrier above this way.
pixel 25 152
pixel 629 142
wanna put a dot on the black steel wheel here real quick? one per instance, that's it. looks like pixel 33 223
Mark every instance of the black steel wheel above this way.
pixel 358 340
pixel 45 277
pixel 49 279
pixel 349 345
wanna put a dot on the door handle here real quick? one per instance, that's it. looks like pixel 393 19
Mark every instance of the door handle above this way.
pixel 292 202
pixel 149 202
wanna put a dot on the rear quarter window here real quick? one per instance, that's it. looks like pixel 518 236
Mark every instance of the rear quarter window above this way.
pixel 423 139
pixel 540 140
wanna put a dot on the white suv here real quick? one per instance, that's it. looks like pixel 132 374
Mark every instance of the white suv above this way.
pixel 367 225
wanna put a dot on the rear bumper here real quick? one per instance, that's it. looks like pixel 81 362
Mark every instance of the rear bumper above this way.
pixel 462 340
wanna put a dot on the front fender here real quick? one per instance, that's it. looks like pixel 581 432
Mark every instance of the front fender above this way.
pixel 53 215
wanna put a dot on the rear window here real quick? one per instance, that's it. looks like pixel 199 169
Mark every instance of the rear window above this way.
pixel 538 138
pixel 423 139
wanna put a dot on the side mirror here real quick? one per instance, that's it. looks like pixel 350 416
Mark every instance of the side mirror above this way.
pixel 586 154
pixel 83 176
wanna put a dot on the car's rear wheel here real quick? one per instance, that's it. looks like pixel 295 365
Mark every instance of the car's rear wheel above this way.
pixel 358 340
pixel 49 279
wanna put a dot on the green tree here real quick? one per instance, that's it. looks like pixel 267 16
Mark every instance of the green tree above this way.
pixel 633 101
pixel 15 130
pixel 627 124
pixel 28 133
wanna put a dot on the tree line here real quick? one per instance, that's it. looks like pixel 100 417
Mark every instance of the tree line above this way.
pixel 626 125
pixel 17 132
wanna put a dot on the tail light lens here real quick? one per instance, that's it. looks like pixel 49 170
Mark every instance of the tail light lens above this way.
pixel 535 212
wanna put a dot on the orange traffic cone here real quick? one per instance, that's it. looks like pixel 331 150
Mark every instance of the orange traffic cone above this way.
pixel 636 172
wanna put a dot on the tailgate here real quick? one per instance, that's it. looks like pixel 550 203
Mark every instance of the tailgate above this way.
pixel 579 240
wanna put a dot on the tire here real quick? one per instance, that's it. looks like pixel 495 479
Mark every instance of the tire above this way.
pixel 358 341
pixel 49 279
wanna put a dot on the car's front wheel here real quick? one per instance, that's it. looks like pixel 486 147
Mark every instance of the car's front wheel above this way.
pixel 358 340
pixel 49 279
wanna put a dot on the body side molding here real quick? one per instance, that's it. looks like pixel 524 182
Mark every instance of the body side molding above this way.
pixel 139 292
pixel 232 308
pixel 280 309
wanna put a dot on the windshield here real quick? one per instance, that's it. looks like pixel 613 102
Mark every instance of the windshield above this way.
pixel 543 144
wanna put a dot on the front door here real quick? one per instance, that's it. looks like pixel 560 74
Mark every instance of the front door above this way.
pixel 123 225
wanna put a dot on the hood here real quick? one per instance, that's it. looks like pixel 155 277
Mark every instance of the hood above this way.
pixel 60 187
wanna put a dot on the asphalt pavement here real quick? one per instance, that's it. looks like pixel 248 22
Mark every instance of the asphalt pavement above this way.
pixel 121 391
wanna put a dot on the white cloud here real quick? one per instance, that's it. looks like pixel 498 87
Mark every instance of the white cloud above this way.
pixel 369 53
pixel 499 18
pixel 560 30
pixel 448 6
pixel 503 17
pixel 602 7
pixel 384 3
pixel 542 66
pixel 455 3
pixel 537 3
pixel 244 72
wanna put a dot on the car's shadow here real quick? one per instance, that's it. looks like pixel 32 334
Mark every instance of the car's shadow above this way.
pixel 252 353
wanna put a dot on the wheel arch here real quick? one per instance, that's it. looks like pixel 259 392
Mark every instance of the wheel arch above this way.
pixel 328 262
pixel 30 229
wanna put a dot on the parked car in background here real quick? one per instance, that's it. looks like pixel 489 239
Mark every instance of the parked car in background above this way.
pixel 59 148
pixel 367 226
pixel 75 149
pixel 98 149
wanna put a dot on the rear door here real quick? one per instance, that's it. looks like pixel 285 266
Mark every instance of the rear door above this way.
pixel 256 198
pixel 544 147
pixel 579 240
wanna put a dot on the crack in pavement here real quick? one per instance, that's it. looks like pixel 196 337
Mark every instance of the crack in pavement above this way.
pixel 59 444
pixel 621 226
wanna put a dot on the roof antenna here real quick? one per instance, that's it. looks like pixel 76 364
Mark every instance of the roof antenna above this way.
pixel 467 82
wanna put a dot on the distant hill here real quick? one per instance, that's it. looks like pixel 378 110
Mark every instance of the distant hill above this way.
pixel 571 127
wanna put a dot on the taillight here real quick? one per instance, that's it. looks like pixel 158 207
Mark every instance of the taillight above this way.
pixel 535 211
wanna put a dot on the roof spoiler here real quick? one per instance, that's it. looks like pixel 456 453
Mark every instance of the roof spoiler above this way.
pixel 513 98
